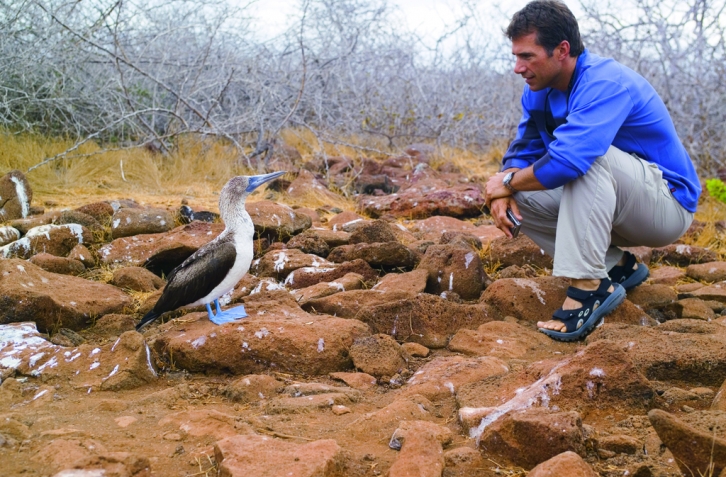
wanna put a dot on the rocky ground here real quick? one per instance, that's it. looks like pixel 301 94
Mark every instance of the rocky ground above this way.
pixel 396 340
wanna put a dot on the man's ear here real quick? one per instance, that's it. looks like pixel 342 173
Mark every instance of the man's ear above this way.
pixel 563 50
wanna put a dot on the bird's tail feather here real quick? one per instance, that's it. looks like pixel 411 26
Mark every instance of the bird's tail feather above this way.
pixel 148 318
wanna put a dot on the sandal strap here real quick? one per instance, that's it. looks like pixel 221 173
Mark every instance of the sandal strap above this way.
pixel 620 273
pixel 582 295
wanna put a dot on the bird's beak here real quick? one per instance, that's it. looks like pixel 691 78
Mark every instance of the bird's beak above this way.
pixel 253 182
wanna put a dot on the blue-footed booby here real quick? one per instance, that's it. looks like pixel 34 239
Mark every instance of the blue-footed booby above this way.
pixel 216 267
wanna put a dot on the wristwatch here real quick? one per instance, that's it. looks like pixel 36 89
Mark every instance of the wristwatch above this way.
pixel 506 182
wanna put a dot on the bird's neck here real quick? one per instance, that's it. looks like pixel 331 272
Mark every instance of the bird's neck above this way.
pixel 239 221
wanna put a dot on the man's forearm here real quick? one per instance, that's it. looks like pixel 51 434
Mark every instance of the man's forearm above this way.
pixel 525 180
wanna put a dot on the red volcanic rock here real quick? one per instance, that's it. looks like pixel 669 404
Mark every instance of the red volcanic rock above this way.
pixel 130 221
pixel 159 252
pixel 528 438
pixel 136 279
pixel 61 265
pixel 123 364
pixel 425 319
pixel 245 456
pixel 421 444
pixel 566 464
pixel 378 355
pixel 454 269
pixel 309 276
pixel 426 198
pixel 277 335
pixel 683 255
pixel 519 251
pixel 384 254
pixel 279 264
pixel 276 221
pixel 56 240
pixel 29 293
pixel 15 196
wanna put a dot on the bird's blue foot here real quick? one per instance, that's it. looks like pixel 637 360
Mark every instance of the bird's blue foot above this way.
pixel 228 316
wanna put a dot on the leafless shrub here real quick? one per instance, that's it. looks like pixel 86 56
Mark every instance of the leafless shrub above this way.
pixel 127 73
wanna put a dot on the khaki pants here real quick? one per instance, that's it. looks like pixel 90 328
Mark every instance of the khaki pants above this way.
pixel 621 201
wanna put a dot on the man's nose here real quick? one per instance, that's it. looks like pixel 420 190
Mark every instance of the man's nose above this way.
pixel 519 67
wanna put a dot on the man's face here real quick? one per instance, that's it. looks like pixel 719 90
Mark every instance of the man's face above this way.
pixel 538 69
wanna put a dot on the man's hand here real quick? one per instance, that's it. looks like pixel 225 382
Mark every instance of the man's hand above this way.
pixel 498 210
pixel 495 189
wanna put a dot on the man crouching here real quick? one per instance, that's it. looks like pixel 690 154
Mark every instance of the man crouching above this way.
pixel 596 165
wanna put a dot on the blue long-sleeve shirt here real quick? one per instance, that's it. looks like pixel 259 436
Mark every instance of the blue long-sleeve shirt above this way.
pixel 609 104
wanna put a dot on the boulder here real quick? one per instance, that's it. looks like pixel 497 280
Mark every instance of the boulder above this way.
pixel 348 304
pixel 499 339
pixel 528 438
pixel 675 351
pixel 277 336
pixel 373 232
pixel 666 275
pixel 652 296
pixel 442 377
pixel 29 293
pixel 433 228
pixel 453 269
pixel 426 198
pixel 378 355
pixel 15 196
pixel 83 255
pixel 160 253
pixel 682 255
pixel 421 445
pixel 309 242
pixel 344 219
pixel 101 211
pixel 24 225
pixel 309 276
pixel 518 251
pixel 707 272
pixel 127 222
pixel 696 451
pixel 350 281
pixel 413 282
pixel 715 292
pixel 690 308
pixel 263 456
pixel 386 255
pixel 136 279
pixel 567 464
pixel 425 319
pixel 276 221
pixel 278 264
pixel 56 240
pixel 306 187
pixel 8 234
pixel 61 265
pixel 123 364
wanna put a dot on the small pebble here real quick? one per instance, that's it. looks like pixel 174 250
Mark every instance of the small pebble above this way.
pixel 339 410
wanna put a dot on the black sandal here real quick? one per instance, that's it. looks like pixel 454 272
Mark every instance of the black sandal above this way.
pixel 626 276
pixel 595 305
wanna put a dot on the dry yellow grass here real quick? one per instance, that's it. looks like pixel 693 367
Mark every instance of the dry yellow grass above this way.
pixel 195 170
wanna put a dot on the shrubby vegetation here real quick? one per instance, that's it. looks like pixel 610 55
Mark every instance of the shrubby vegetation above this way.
pixel 127 73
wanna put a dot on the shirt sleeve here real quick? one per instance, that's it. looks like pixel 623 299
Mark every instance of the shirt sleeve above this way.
pixel 528 146
pixel 597 111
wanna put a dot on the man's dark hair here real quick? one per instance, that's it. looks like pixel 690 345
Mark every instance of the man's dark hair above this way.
pixel 552 21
